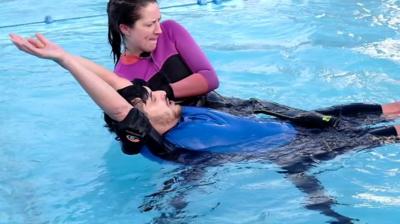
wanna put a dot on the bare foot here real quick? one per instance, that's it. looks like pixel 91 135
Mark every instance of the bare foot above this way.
pixel 391 109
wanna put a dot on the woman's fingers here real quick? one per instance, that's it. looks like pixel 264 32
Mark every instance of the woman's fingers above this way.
pixel 42 39
pixel 28 46
pixel 36 43
pixel 32 41
pixel 38 46
pixel 17 41
pixel 24 47
pixel 15 38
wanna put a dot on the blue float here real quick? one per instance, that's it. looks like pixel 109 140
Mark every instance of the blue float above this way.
pixel 48 19
pixel 202 2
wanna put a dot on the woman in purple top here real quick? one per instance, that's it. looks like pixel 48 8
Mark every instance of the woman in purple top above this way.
pixel 162 53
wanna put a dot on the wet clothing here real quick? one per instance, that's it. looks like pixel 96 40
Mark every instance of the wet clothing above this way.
pixel 176 57
pixel 200 129
pixel 288 143
pixel 215 131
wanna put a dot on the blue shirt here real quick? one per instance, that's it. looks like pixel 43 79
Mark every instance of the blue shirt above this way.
pixel 210 130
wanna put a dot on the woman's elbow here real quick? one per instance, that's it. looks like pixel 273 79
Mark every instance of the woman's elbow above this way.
pixel 213 86
pixel 209 79
pixel 213 83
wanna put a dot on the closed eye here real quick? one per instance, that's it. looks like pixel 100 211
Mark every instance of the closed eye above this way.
pixel 153 99
pixel 167 100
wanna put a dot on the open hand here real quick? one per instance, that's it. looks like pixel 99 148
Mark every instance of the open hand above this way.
pixel 39 46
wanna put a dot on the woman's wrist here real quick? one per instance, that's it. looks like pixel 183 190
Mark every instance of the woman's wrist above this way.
pixel 63 59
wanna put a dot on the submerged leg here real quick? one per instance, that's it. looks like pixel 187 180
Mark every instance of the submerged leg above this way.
pixel 317 199
pixel 352 109
pixel 308 150
pixel 356 114
pixel 170 201
pixel 387 131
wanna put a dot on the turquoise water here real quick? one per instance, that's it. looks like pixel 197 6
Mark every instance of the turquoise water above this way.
pixel 59 165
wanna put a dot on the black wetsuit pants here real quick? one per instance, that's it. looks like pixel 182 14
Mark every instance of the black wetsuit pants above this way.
pixel 355 116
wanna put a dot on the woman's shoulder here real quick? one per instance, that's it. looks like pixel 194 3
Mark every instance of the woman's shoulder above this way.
pixel 170 23
pixel 172 26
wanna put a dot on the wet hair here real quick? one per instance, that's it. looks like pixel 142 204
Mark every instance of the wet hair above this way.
pixel 122 12
pixel 131 94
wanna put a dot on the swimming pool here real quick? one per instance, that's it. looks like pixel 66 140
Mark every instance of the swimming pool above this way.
pixel 59 165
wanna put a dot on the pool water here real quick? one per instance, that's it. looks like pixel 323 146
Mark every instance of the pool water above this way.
pixel 59 165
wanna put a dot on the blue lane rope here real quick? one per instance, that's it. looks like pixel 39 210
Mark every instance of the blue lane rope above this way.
pixel 48 19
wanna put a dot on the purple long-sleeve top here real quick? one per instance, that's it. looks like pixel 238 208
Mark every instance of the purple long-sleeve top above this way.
pixel 176 57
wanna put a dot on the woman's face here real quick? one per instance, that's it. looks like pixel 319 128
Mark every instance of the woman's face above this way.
pixel 143 35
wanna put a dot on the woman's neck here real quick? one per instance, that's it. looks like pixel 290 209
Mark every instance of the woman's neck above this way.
pixel 132 53
pixel 136 54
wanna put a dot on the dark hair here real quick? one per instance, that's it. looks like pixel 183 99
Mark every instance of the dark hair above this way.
pixel 122 12
pixel 129 93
